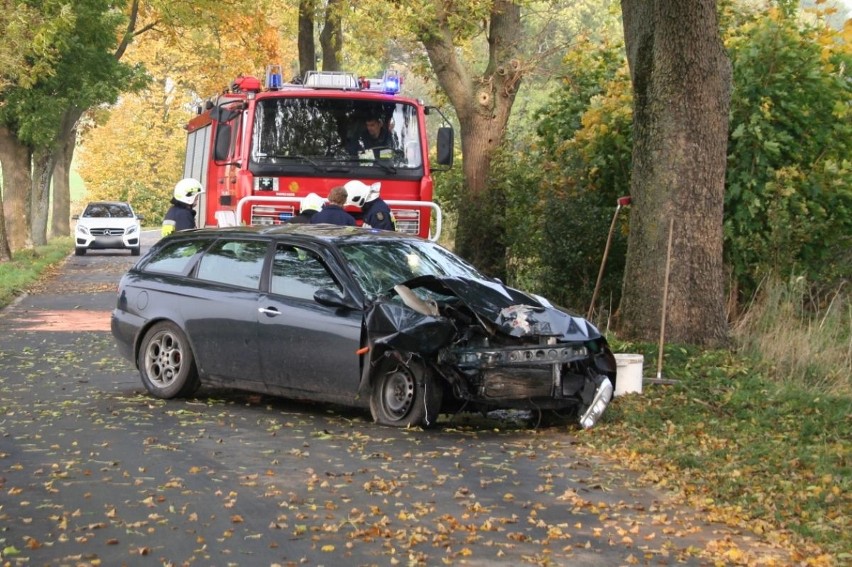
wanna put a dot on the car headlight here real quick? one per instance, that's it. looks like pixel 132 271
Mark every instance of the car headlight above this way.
pixel 82 229
pixel 132 229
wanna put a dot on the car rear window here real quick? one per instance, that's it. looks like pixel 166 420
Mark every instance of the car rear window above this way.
pixel 174 258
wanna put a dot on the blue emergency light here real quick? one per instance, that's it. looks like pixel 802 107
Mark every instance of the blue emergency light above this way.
pixel 273 77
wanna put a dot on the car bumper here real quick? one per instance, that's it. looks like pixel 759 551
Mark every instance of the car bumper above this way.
pixel 107 242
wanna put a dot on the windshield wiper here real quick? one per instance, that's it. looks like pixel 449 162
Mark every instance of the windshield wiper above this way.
pixel 305 159
pixel 387 167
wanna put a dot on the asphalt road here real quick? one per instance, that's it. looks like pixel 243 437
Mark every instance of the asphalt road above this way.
pixel 93 471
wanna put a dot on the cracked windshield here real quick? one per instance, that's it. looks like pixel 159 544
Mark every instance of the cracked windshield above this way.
pixel 321 133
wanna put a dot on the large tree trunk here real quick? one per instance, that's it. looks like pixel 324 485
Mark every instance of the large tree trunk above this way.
pixel 17 183
pixel 43 163
pixel 60 218
pixel 681 82
pixel 307 49
pixel 331 38
pixel 60 224
pixel 483 105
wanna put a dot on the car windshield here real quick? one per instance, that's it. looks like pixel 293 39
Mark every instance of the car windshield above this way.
pixel 321 133
pixel 108 210
pixel 379 266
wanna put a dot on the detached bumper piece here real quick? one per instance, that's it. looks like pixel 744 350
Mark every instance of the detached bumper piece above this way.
pixel 603 395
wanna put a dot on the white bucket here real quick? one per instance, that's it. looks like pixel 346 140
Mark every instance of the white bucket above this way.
pixel 628 377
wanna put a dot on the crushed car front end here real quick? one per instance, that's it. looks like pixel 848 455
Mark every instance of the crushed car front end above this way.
pixel 497 348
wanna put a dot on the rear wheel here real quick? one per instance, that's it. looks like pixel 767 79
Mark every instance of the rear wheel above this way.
pixel 166 363
pixel 405 394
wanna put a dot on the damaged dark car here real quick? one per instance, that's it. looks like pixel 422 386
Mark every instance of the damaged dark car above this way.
pixel 353 316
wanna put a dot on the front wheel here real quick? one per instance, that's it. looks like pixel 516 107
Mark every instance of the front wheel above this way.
pixel 166 363
pixel 135 251
pixel 405 395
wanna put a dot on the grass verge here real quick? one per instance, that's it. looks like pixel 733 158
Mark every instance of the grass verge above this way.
pixel 27 266
pixel 771 456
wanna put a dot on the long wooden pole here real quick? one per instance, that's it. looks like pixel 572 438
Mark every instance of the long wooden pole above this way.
pixel 665 301
pixel 603 264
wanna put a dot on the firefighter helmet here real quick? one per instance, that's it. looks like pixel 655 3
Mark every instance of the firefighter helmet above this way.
pixel 312 202
pixel 359 193
pixel 187 190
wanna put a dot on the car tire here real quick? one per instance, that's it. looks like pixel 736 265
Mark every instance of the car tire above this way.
pixel 166 363
pixel 405 395
pixel 79 251
pixel 135 251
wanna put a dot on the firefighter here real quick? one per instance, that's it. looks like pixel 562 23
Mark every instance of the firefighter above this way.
pixel 181 215
pixel 311 204
pixel 374 210
pixel 332 212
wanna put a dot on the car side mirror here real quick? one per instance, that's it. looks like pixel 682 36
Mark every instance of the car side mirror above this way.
pixel 445 146
pixel 333 298
pixel 75 217
pixel 140 217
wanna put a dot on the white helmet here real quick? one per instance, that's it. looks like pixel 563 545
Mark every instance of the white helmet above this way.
pixel 311 202
pixel 187 190
pixel 360 193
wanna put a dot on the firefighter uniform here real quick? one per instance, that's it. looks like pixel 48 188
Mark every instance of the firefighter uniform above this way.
pixel 180 216
pixel 333 214
pixel 377 214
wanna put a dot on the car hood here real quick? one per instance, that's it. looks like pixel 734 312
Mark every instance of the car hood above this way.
pixel 513 312
pixel 417 326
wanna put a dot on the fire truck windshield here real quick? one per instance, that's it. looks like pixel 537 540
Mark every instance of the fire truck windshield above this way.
pixel 310 135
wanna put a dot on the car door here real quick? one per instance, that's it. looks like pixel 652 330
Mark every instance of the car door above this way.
pixel 223 319
pixel 304 345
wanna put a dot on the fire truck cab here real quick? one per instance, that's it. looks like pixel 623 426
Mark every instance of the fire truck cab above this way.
pixel 258 149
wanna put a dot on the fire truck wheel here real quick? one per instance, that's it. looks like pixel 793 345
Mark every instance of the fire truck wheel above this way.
pixel 166 363
pixel 405 395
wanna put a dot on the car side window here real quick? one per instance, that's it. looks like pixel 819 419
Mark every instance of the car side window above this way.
pixel 233 262
pixel 175 257
pixel 299 273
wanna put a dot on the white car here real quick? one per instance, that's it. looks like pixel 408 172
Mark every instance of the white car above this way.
pixel 107 225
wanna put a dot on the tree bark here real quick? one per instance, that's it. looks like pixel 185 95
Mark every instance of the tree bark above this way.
pixel 62 156
pixel 331 38
pixel 307 48
pixel 43 164
pixel 17 181
pixel 60 223
pixel 681 80
pixel 483 105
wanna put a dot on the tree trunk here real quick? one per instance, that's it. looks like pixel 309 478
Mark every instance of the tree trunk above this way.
pixel 60 224
pixel 483 105
pixel 307 49
pixel 17 183
pixel 331 38
pixel 62 157
pixel 681 83
pixel 43 164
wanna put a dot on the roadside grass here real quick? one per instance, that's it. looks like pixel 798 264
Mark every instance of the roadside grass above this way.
pixel 758 437
pixel 27 266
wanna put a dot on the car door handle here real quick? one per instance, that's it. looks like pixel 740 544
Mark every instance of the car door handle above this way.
pixel 271 311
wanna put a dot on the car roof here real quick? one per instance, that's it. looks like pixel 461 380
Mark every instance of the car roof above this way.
pixel 325 232
pixel 108 203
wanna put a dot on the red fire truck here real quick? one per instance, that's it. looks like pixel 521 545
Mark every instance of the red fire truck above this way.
pixel 259 148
